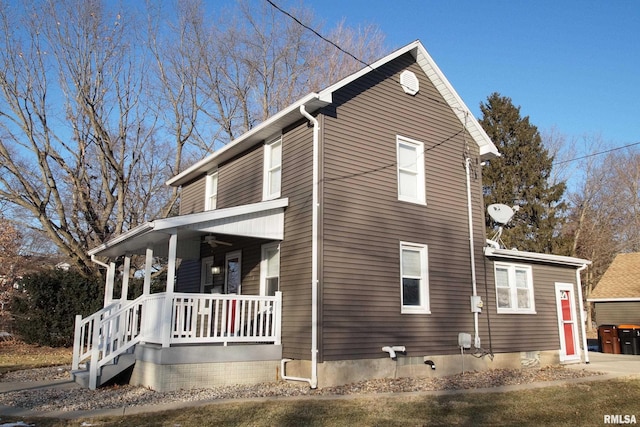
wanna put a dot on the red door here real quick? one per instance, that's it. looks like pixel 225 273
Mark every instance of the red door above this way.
pixel 568 322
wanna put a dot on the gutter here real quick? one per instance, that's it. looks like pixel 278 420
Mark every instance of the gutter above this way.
pixel 313 381
pixel 584 332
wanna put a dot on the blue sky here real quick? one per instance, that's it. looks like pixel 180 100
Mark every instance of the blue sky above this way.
pixel 572 65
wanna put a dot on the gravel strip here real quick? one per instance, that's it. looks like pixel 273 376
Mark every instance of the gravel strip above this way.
pixel 127 396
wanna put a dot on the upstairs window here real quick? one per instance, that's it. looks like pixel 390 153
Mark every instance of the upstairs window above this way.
pixel 410 158
pixel 211 197
pixel 514 288
pixel 272 169
pixel 414 278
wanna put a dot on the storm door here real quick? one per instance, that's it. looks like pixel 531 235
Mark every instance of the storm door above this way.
pixel 233 273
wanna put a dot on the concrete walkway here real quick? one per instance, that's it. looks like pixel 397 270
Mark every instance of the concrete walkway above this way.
pixel 613 365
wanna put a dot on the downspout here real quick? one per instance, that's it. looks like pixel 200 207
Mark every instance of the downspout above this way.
pixel 474 297
pixel 100 263
pixel 584 332
pixel 313 381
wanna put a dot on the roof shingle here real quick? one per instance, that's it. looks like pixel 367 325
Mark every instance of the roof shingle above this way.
pixel 621 280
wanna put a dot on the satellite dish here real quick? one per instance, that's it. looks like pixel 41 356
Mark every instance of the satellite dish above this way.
pixel 500 213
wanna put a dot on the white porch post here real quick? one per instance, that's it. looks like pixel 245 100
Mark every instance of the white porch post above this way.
pixel 108 288
pixel 171 275
pixel 125 279
pixel 146 289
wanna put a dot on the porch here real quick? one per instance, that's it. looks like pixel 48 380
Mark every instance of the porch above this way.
pixel 106 341
pixel 161 324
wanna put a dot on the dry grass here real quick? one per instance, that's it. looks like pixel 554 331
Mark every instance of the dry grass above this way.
pixel 16 355
pixel 583 404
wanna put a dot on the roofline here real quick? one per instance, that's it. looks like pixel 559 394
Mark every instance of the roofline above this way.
pixel 314 101
pixel 627 299
pixel 535 256
pixel 141 229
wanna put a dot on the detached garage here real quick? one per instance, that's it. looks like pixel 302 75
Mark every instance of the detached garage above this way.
pixel 616 297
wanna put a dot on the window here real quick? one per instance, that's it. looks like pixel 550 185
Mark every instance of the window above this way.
pixel 410 170
pixel 514 288
pixel 270 269
pixel 414 278
pixel 211 198
pixel 206 275
pixel 272 169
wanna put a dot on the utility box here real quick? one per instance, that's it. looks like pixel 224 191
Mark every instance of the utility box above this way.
pixel 629 336
pixel 608 337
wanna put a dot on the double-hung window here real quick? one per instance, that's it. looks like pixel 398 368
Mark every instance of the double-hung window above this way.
pixel 211 191
pixel 514 288
pixel 410 160
pixel 414 278
pixel 270 269
pixel 272 169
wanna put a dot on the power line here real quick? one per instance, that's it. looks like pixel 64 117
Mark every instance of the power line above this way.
pixel 597 154
pixel 318 34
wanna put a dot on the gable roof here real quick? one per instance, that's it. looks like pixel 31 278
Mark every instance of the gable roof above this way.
pixel 315 101
pixel 621 281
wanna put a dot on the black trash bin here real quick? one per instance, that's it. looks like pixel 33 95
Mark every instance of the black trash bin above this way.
pixel 629 336
pixel 608 337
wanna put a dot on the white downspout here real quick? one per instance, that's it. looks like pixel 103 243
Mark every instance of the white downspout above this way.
pixel 584 332
pixel 313 381
pixel 472 252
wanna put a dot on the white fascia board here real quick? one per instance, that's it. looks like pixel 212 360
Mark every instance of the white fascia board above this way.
pixel 263 131
pixel 134 232
pixel 629 299
pixel 534 256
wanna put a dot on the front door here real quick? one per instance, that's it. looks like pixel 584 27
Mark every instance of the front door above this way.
pixel 567 322
pixel 233 273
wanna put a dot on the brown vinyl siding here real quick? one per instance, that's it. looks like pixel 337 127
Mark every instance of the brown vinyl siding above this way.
pixel 364 222
pixel 192 196
pixel 295 249
pixel 617 313
pixel 240 179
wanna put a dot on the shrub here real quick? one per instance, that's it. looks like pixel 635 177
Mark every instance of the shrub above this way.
pixel 45 310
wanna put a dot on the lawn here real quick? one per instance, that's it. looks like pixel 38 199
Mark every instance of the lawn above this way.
pixel 583 404
pixel 16 355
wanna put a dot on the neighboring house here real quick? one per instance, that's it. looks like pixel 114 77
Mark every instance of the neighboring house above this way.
pixel 616 297
pixel 340 240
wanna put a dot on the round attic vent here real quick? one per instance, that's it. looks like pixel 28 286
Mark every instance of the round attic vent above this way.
pixel 409 82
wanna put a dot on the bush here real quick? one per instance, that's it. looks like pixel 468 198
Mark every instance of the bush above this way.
pixel 45 310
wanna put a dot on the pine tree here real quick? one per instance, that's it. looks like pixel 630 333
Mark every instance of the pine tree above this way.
pixel 521 177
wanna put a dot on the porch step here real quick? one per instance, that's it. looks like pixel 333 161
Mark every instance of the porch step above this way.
pixel 108 372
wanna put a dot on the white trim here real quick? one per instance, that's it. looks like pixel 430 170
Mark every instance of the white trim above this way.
pixel 268 170
pixel 205 269
pixel 229 256
pixel 419 172
pixel 513 290
pixel 534 256
pixel 264 266
pixel 574 317
pixel 211 190
pixel 314 101
pixel 424 306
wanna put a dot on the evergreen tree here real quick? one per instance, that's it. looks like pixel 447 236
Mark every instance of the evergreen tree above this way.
pixel 521 177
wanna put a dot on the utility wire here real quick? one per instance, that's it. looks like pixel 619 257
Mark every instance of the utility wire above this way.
pixel 597 154
pixel 318 34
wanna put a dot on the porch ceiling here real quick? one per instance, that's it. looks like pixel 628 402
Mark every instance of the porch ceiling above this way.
pixel 264 220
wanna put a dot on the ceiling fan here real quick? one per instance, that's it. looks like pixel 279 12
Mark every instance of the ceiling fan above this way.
pixel 214 242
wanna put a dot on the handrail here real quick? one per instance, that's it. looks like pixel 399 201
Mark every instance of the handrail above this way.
pixel 194 318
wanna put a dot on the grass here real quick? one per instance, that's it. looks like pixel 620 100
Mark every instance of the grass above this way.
pixel 16 355
pixel 582 404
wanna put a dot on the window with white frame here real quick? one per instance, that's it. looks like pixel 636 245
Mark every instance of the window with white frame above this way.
pixel 414 278
pixel 270 269
pixel 514 288
pixel 410 159
pixel 272 169
pixel 211 191
pixel 206 274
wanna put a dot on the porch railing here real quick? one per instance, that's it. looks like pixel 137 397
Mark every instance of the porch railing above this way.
pixel 194 318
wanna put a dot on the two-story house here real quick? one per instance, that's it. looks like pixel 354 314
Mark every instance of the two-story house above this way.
pixel 340 240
